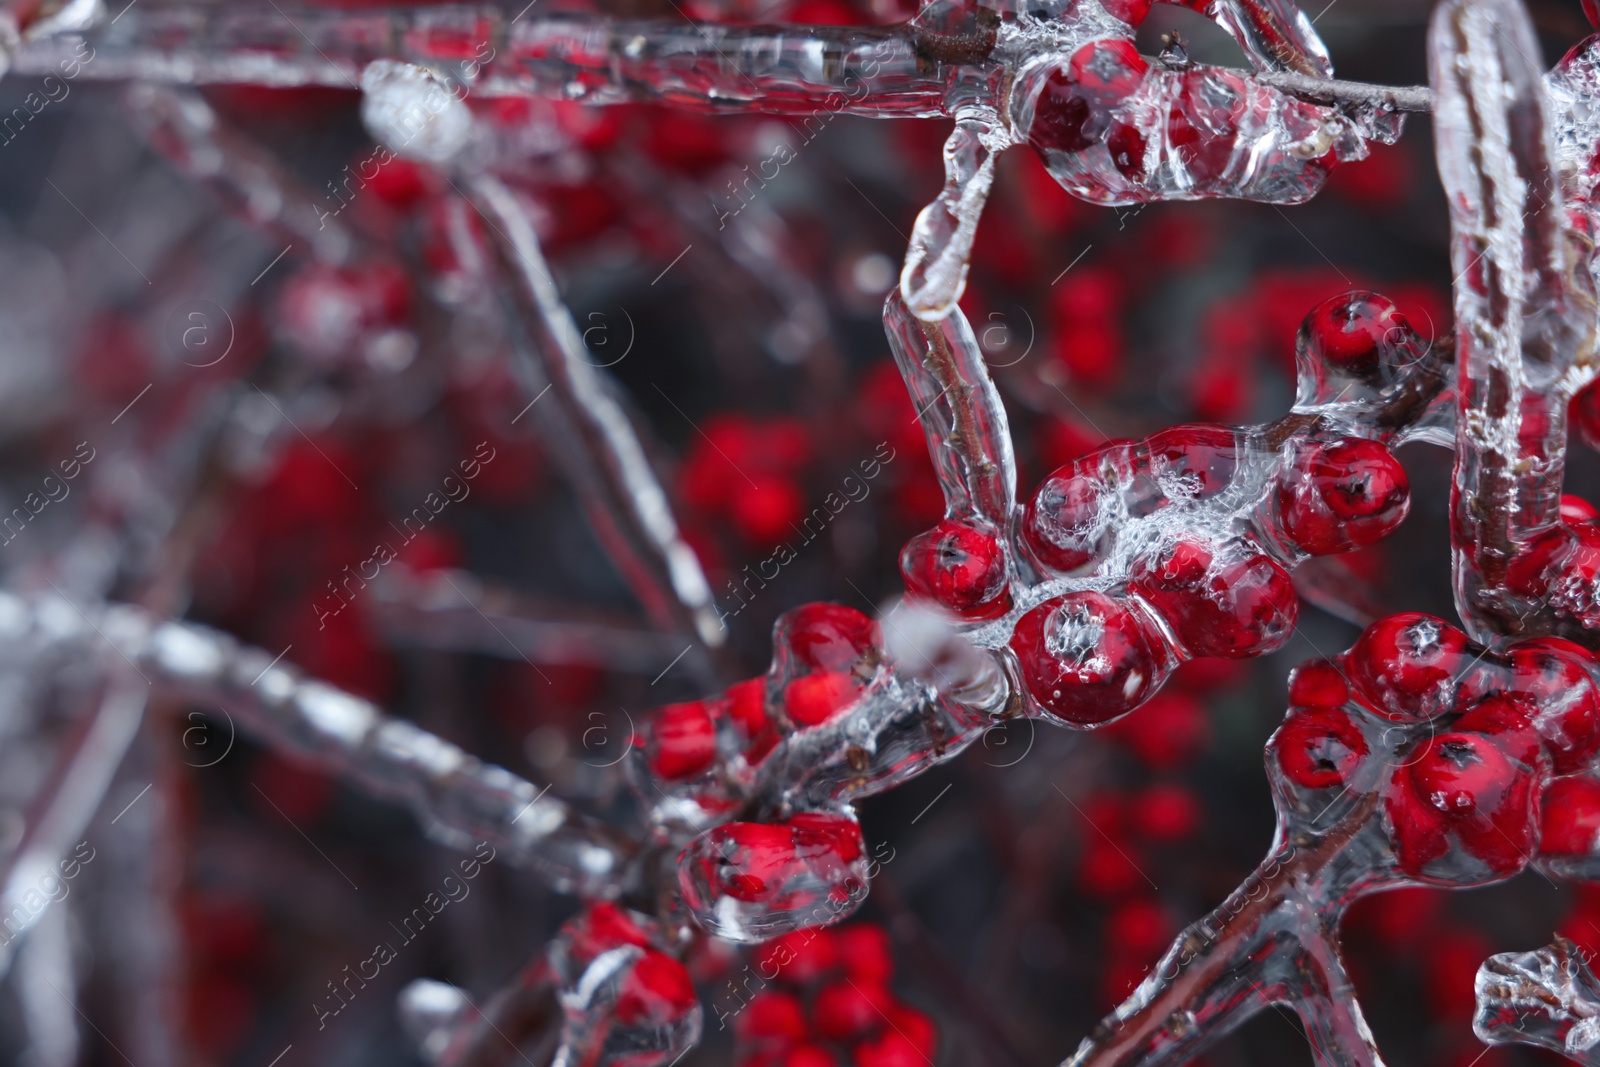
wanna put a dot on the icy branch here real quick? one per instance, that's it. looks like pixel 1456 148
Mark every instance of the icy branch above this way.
pixel 1524 302
pixel 591 432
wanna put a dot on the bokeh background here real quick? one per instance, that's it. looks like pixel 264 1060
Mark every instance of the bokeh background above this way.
pixel 1034 879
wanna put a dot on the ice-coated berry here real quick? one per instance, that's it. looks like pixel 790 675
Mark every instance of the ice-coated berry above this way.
pixel 1193 461
pixel 1073 110
pixel 1087 659
pixel 1576 511
pixel 1407 667
pixel 771 1015
pixel 1549 679
pixel 1584 413
pixel 1569 819
pixel 745 704
pixel 1318 683
pixel 1319 747
pixel 683 741
pixel 657 991
pixel 813 699
pixel 1463 786
pixel 827 637
pixel 1064 523
pixel 1235 603
pixel 1342 496
pixel 748 881
pixel 959 566
pixel 848 1009
pixel 1349 332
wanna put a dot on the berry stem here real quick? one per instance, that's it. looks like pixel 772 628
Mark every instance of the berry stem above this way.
pixel 1269 943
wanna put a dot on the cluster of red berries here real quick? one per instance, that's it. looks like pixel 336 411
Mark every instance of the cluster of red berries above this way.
pixel 1464 747
pixel 778 740
pixel 1093 654
pixel 825 1000
pixel 622 988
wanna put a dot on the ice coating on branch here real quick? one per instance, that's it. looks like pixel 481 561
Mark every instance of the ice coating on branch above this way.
pixel 1548 997
pixel 458 799
pixel 1275 34
pixel 1114 129
pixel 941 241
pixel 1525 315
pixel 961 412
pixel 591 433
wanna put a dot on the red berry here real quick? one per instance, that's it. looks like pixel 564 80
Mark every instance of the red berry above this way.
pixel 683 741
pixel 1169 731
pixel 1318 683
pixel 1584 411
pixel 1506 719
pixel 810 1056
pixel 1134 12
pixel 1073 110
pixel 771 1015
pixel 916 1028
pixel 1465 784
pixel 1194 461
pixel 770 863
pixel 1086 659
pixel 1406 667
pixel 1236 604
pixel 746 704
pixel 1319 748
pixel 1064 524
pixel 827 637
pixel 1561 568
pixel 657 991
pixel 891 1049
pixel 803 957
pixel 1569 822
pixel 1550 681
pixel 813 699
pixel 601 928
pixel 1342 496
pixel 846 1010
pixel 864 951
pixel 1576 511
pixel 960 566
pixel 1166 813
pixel 1350 331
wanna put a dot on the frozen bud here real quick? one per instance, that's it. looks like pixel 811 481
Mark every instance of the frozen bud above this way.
pixel 922 644
pixel 1546 998
pixel 412 110
pixel 429 1012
